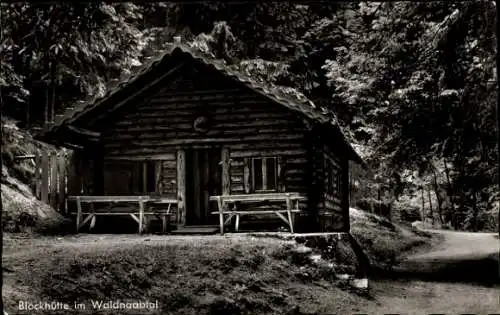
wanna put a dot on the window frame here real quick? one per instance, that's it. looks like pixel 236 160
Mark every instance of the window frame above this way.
pixel 142 177
pixel 264 174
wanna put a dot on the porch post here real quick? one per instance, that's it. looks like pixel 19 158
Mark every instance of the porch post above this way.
pixel 226 176
pixel 181 187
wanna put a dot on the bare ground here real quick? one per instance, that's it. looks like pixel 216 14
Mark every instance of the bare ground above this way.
pixel 458 274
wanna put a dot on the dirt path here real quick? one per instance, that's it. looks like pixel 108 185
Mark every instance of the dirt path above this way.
pixel 460 257
pixel 418 297
pixel 458 275
pixel 461 245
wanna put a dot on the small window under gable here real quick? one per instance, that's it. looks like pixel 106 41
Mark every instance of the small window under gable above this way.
pixel 265 174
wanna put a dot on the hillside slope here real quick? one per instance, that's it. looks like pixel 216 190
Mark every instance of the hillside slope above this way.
pixel 21 211
pixel 383 241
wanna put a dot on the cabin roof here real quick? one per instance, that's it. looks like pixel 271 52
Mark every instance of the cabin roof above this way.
pixel 286 96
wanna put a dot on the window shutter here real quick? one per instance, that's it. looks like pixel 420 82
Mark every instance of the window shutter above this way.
pixel 158 172
pixel 247 174
pixel 281 174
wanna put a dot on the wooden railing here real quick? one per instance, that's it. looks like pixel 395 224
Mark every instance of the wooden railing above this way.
pixel 224 203
pixel 52 174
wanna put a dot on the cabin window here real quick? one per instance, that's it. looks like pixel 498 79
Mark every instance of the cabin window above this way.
pixel 148 177
pixel 143 180
pixel 265 174
pixel 130 177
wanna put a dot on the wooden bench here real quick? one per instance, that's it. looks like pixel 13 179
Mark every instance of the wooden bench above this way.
pixel 137 213
pixel 223 202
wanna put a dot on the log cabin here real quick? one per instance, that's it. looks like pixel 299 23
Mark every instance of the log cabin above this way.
pixel 209 141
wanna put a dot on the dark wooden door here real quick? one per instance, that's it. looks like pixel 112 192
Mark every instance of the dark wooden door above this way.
pixel 203 179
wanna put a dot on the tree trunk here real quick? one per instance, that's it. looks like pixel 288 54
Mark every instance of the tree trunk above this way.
pixel 474 210
pixel 28 108
pixel 423 204
pixel 45 85
pixel 46 106
pixel 450 194
pixel 438 197
pixel 53 91
pixel 461 180
pixel 351 188
pixel 53 104
pixel 379 204
pixel 498 145
pixel 430 206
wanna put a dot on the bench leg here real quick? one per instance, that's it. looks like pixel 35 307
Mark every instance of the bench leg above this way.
pixel 221 222
pixel 87 219
pixel 77 222
pixel 141 216
pixel 164 223
pixel 146 223
pixel 290 221
pixel 78 214
pixel 237 222
pixel 92 222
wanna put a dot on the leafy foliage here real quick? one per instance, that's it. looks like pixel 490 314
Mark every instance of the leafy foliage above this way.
pixel 413 83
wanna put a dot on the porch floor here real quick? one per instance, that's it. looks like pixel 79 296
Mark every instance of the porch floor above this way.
pixel 202 229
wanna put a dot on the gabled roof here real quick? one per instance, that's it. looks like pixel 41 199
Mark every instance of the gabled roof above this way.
pixel 286 96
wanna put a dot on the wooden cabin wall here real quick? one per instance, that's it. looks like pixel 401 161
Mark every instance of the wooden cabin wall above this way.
pixel 80 177
pixel 314 178
pixel 168 179
pixel 333 213
pixel 246 123
pixel 164 123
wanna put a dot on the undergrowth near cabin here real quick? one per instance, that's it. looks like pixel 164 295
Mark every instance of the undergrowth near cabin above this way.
pixel 384 241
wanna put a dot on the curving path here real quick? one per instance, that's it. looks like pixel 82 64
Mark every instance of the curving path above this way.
pixel 460 257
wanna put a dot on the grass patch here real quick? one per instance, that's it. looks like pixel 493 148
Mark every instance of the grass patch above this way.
pixel 213 277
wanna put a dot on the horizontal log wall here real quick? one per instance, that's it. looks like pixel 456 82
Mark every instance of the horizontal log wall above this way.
pixel 333 214
pixel 168 180
pixel 165 122
pixel 243 121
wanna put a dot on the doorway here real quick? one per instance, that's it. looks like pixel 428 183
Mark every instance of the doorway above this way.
pixel 203 179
